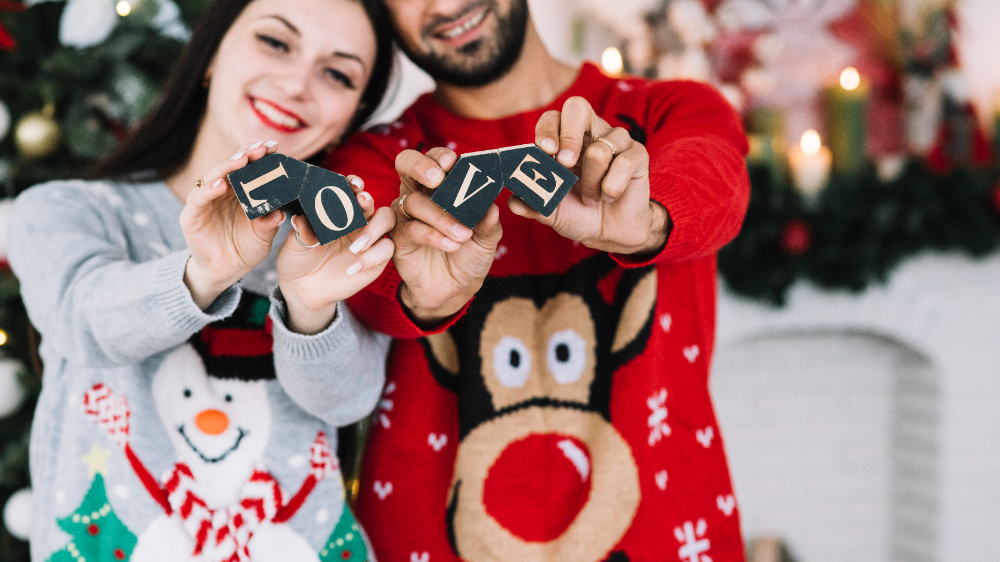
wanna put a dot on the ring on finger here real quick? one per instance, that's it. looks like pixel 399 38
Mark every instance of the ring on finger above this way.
pixel 402 209
pixel 607 142
pixel 299 240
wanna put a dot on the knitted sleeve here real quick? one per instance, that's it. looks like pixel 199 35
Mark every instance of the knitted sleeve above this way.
pixel 698 173
pixel 89 301
pixel 336 375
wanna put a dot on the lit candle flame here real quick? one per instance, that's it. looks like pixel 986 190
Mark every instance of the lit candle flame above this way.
pixel 123 8
pixel 850 78
pixel 810 142
pixel 612 62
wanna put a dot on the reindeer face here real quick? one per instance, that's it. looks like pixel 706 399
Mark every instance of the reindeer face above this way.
pixel 540 473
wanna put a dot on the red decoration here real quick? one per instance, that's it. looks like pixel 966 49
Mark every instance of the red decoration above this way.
pixel 93 529
pixel 7 41
pixel 346 555
pixel 796 237
pixel 119 554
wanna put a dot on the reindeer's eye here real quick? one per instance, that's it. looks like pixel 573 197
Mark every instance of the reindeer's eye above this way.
pixel 511 362
pixel 566 356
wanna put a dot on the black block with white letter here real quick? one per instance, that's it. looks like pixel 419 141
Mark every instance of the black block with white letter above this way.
pixel 473 184
pixel 330 205
pixel 535 177
pixel 268 183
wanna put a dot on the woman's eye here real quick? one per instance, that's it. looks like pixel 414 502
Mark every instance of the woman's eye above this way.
pixel 340 77
pixel 273 43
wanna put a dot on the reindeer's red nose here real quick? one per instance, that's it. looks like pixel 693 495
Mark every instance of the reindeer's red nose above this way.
pixel 538 486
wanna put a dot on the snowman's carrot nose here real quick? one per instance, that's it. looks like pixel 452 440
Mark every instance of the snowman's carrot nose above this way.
pixel 212 422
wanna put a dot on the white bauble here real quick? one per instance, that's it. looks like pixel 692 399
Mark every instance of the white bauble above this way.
pixel 86 23
pixel 12 394
pixel 4 120
pixel 17 514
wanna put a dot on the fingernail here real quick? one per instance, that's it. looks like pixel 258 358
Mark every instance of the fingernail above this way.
pixel 271 144
pixel 459 230
pixel 293 224
pixel 447 159
pixel 365 197
pixel 283 217
pixel 357 182
pixel 216 184
pixel 360 243
pixel 565 156
pixel 449 244
pixel 238 155
pixel 590 201
pixel 355 267
pixel 548 145
pixel 256 145
pixel 607 199
pixel 433 174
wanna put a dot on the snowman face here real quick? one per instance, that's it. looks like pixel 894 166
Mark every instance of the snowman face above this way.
pixel 211 421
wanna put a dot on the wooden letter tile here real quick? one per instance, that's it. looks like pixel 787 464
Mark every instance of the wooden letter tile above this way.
pixel 267 184
pixel 330 205
pixel 471 186
pixel 535 177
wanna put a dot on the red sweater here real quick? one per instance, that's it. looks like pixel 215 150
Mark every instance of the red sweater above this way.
pixel 565 415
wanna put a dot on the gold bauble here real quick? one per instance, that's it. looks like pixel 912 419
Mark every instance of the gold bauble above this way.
pixel 37 135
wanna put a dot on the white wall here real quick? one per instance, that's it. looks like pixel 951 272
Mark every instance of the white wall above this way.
pixel 979 51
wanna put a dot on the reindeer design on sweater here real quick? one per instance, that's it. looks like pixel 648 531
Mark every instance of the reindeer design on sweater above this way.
pixel 540 473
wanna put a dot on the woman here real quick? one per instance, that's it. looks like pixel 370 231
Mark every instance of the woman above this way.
pixel 183 416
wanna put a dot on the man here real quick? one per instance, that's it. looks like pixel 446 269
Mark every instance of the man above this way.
pixel 547 395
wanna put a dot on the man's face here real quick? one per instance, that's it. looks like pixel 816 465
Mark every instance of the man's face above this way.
pixel 461 42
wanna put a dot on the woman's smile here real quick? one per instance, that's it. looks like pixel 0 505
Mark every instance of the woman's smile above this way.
pixel 275 117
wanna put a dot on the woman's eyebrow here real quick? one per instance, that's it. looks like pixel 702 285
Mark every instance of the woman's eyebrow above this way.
pixel 287 23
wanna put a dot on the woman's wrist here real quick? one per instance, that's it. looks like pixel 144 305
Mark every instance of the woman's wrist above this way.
pixel 304 318
pixel 204 290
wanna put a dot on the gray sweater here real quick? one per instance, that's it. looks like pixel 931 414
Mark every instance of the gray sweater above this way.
pixel 135 445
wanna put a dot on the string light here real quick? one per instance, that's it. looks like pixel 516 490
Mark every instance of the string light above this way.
pixel 850 78
pixel 123 8
pixel 612 61
pixel 3 337
pixel 810 143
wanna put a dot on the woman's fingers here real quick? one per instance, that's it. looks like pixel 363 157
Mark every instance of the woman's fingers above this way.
pixel 379 224
pixel 304 231
pixel 377 256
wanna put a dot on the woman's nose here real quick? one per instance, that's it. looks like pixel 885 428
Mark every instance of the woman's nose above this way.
pixel 211 422
pixel 294 81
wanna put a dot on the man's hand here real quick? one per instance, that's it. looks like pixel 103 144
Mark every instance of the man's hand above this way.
pixel 441 261
pixel 609 208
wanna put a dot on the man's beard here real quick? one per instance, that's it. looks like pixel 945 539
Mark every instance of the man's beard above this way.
pixel 484 60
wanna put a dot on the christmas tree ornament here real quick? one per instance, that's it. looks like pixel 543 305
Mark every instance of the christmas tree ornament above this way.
pixel 796 237
pixel 4 120
pixel 86 23
pixel 7 41
pixel 37 135
pixel 12 392
pixel 97 533
pixel 17 514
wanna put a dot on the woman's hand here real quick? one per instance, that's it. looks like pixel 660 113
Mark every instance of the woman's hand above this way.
pixel 313 280
pixel 224 244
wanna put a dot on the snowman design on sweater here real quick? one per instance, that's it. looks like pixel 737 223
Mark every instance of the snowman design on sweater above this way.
pixel 220 504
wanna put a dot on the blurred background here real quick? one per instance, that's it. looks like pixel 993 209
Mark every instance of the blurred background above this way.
pixel 855 372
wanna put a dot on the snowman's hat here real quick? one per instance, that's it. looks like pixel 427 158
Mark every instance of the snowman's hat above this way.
pixel 239 347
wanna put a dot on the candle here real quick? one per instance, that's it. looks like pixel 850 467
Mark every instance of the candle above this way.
pixel 611 61
pixel 766 128
pixel 846 107
pixel 810 164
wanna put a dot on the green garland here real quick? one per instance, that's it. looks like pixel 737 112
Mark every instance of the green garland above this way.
pixel 859 228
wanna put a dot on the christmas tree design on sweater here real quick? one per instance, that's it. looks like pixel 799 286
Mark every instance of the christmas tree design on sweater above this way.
pixel 98 534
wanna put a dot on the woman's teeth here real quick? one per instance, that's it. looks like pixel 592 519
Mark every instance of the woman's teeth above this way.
pixel 455 32
pixel 277 116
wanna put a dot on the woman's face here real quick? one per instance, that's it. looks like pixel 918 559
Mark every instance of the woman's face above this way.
pixel 291 71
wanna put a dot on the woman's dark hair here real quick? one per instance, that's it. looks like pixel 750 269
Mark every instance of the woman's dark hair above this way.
pixel 163 140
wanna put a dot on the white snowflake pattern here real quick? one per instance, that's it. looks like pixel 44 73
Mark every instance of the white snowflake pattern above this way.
pixel 694 545
pixel 386 404
pixel 658 428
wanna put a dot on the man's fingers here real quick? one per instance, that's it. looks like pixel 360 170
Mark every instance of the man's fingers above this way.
pixel 631 164
pixel 547 132
pixel 488 229
pixel 444 157
pixel 578 122
pixel 597 160
pixel 416 170
pixel 415 233
pixel 418 206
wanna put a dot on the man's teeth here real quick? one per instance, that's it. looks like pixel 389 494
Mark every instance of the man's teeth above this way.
pixel 277 116
pixel 453 33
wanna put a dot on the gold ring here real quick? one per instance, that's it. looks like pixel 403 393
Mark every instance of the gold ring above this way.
pixel 611 146
pixel 299 240
pixel 198 183
pixel 403 209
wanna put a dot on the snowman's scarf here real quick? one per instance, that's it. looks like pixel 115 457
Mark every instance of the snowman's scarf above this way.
pixel 220 535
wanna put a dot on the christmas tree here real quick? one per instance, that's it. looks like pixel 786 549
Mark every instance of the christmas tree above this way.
pixel 74 76
pixel 98 534
pixel 345 543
